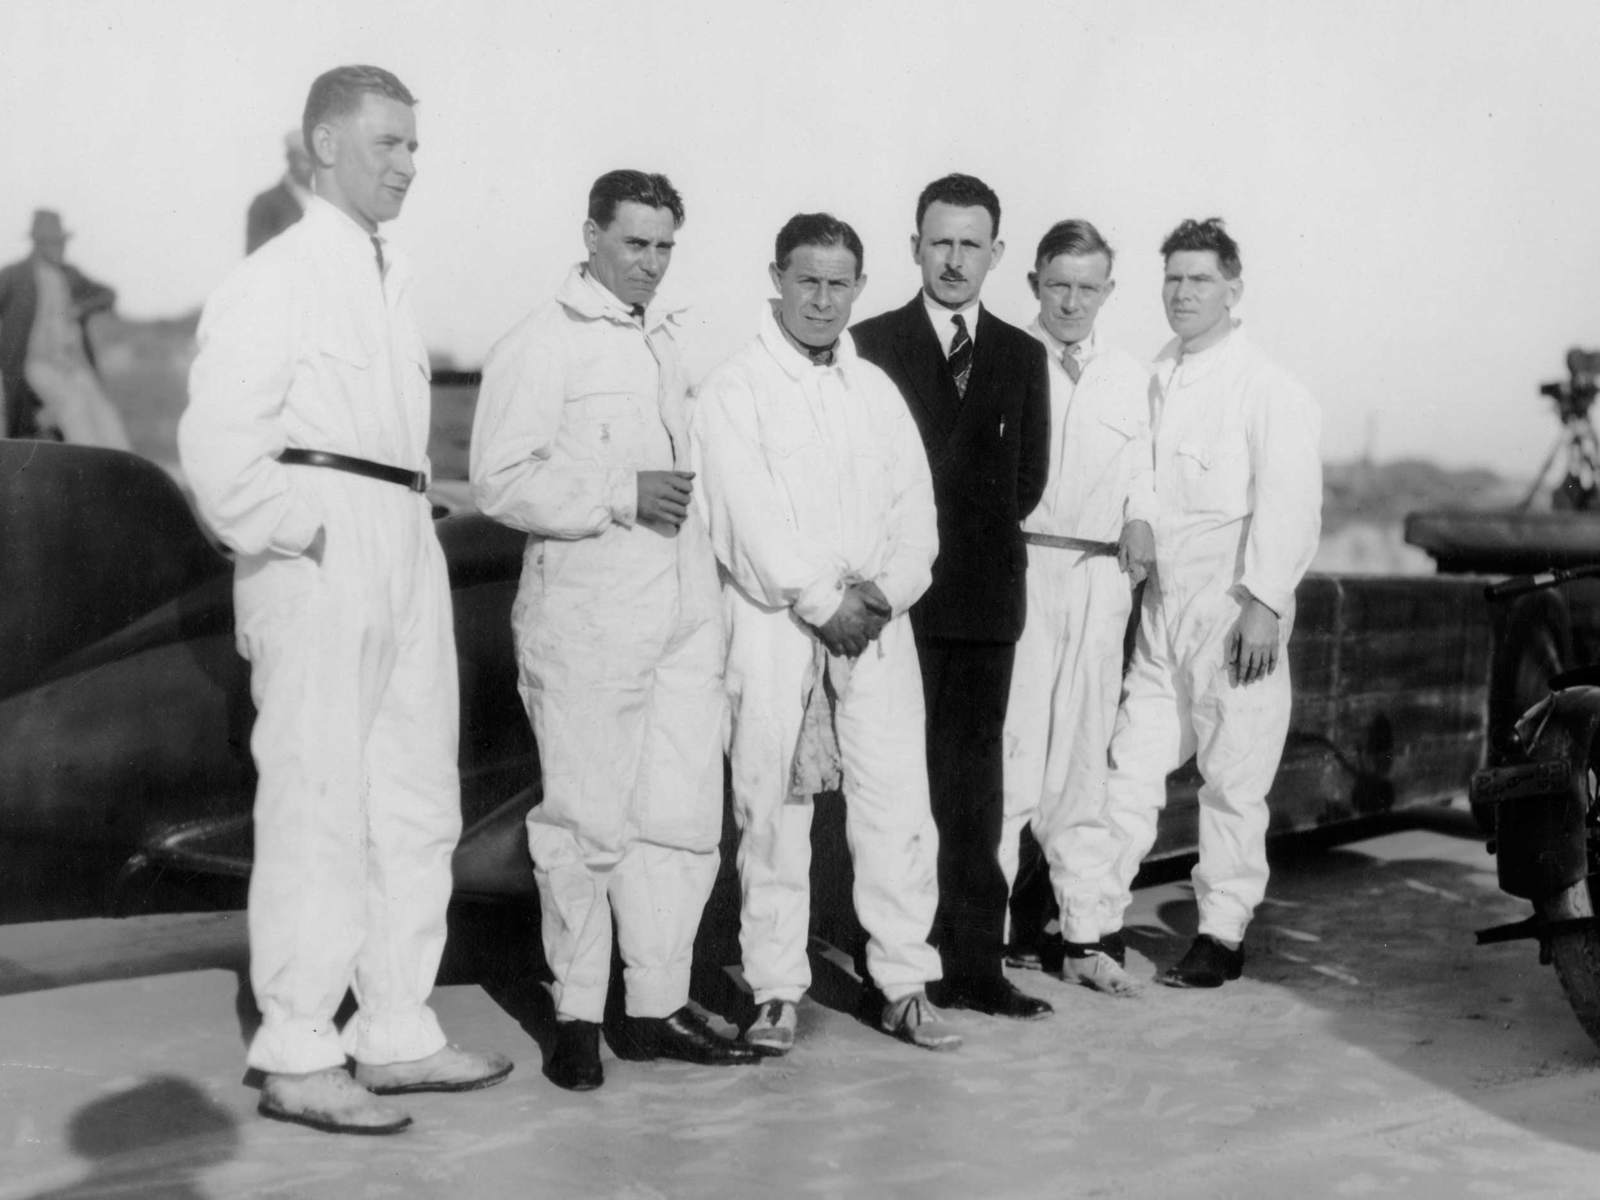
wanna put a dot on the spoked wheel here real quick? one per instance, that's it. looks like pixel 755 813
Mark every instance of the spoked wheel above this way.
pixel 1534 652
pixel 1576 952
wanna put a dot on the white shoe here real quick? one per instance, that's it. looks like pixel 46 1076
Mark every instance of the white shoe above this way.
pixel 449 1069
pixel 772 1032
pixel 330 1101
pixel 912 1019
pixel 1099 971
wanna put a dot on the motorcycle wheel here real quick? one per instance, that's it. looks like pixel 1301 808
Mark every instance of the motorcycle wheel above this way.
pixel 1576 953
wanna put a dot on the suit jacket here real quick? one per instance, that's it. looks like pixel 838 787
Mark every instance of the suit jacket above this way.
pixel 19 301
pixel 989 452
pixel 273 211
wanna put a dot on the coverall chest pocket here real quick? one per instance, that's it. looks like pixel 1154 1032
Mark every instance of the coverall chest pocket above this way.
pixel 1214 476
pixel 605 428
pixel 347 362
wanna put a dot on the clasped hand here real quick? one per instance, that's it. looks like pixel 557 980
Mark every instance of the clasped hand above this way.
pixel 1136 551
pixel 664 499
pixel 861 616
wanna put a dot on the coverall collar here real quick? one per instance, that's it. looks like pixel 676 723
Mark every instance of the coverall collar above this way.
pixel 1199 364
pixel 794 363
pixel 336 227
pixel 1090 345
pixel 581 293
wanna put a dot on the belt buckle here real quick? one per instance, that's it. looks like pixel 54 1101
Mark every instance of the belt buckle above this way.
pixel 419 483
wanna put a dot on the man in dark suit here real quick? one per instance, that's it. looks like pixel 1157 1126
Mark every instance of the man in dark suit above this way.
pixel 284 203
pixel 979 390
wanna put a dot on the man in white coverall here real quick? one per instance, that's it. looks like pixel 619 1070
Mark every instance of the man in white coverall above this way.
pixel 1090 539
pixel 1239 503
pixel 581 441
pixel 305 441
pixel 820 507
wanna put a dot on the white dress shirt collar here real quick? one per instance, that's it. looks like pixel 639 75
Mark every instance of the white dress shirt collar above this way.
pixel 944 321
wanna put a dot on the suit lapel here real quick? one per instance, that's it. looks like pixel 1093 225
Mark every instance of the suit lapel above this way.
pixel 923 359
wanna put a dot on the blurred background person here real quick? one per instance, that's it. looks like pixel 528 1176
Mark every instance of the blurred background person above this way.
pixel 50 385
pixel 284 203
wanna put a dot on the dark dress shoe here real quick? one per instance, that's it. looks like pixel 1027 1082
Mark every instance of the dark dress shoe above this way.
pixel 575 1060
pixel 995 995
pixel 1208 964
pixel 1111 945
pixel 685 1036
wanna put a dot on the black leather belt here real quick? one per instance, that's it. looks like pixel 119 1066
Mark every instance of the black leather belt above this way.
pixel 1069 543
pixel 415 480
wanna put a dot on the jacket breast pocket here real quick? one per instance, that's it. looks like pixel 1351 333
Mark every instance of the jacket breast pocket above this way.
pixel 1214 477
pixel 604 428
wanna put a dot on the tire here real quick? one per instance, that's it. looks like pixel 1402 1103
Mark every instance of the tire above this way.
pixel 1536 648
pixel 1576 954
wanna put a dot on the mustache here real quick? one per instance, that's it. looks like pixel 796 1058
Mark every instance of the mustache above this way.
pixel 952 276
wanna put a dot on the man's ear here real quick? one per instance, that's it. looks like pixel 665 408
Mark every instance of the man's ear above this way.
pixel 1033 283
pixel 999 253
pixel 855 292
pixel 775 275
pixel 591 235
pixel 1235 292
pixel 324 144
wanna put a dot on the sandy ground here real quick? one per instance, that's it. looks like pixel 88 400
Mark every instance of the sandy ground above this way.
pixel 1371 1050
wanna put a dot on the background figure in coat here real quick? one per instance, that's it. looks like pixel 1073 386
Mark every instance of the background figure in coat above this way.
pixel 1239 502
pixel 342 606
pixel 979 392
pixel 48 384
pixel 820 508
pixel 581 441
pixel 1090 541
pixel 284 203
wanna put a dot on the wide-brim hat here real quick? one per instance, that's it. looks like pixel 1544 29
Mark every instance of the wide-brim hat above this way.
pixel 47 226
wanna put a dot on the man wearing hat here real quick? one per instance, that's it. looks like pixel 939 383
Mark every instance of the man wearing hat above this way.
pixel 46 359
pixel 284 203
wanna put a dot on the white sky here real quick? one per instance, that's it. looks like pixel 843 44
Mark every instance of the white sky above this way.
pixel 1413 183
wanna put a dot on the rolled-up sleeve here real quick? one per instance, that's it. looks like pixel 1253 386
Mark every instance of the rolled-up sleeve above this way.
pixel 751 532
pixel 520 475
pixel 232 430
pixel 913 528
pixel 1286 468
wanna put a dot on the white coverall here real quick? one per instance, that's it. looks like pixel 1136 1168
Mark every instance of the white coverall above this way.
pixel 1068 676
pixel 813 476
pixel 1239 494
pixel 352 661
pixel 619 641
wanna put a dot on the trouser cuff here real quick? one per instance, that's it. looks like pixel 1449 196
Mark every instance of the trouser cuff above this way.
pixel 656 992
pixel 395 1037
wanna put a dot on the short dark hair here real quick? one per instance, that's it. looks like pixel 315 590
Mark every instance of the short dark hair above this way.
pixel 963 191
pixel 638 187
pixel 816 229
pixel 338 92
pixel 1206 235
pixel 1074 237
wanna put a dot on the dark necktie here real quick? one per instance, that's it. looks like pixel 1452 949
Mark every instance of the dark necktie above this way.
pixel 821 356
pixel 637 312
pixel 377 248
pixel 961 355
pixel 1073 367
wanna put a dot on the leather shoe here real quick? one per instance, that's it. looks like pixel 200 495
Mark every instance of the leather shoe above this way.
pixel 684 1035
pixel 330 1101
pixel 995 995
pixel 575 1059
pixel 1208 964
pixel 450 1069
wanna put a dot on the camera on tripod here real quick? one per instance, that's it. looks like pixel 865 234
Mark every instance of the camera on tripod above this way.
pixel 1579 488
pixel 1575 395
